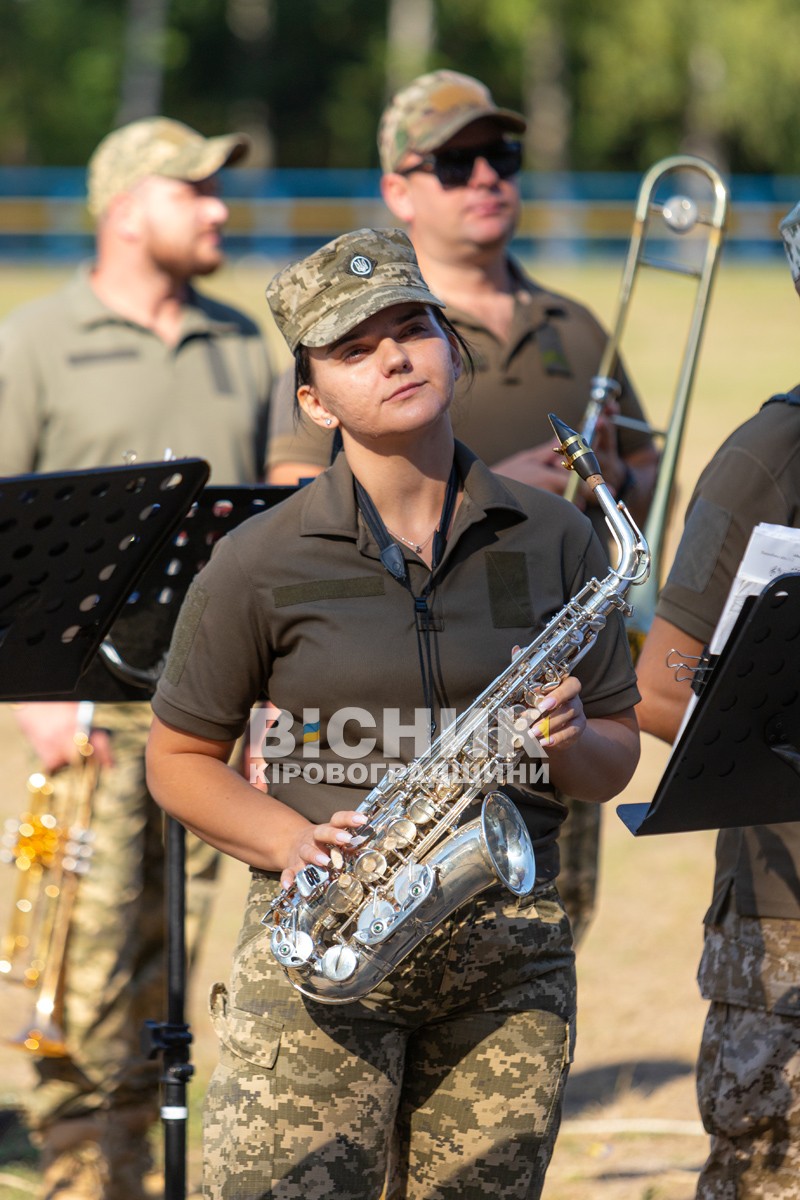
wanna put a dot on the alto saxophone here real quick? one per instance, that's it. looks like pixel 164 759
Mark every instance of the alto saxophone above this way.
pixel 340 930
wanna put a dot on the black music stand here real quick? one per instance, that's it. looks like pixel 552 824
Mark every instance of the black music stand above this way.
pixel 83 548
pixel 127 668
pixel 133 652
pixel 72 545
pixel 738 760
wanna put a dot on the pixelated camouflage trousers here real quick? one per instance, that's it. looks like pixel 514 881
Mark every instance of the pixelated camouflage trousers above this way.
pixel 445 1082
pixel 579 853
pixel 115 962
pixel 748 1074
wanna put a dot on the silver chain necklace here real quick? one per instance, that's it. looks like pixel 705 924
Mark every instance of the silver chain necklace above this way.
pixel 417 547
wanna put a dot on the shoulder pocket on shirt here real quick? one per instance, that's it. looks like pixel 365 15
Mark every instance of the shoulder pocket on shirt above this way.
pixel 509 591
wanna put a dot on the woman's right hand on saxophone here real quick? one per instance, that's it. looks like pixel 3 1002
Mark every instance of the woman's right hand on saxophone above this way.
pixel 558 719
pixel 584 753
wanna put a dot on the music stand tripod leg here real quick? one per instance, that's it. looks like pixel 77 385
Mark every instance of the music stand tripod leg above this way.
pixel 172 1038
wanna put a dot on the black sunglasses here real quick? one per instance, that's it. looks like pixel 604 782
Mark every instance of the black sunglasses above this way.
pixel 453 168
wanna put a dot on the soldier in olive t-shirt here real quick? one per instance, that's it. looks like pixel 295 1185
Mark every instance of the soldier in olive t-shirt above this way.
pixel 747 1078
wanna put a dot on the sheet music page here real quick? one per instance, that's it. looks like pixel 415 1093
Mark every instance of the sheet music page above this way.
pixel 773 550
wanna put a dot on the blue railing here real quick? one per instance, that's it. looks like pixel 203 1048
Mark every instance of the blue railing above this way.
pixel 287 212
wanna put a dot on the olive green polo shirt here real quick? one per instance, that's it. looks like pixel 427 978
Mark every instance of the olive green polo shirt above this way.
pixel 295 604
pixel 81 385
pixel 754 477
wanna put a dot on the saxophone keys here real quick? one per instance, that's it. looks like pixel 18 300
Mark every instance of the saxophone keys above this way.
pixel 517 724
pixel 422 811
pixel 339 962
pixel 370 866
pixel 375 922
pixel 344 894
pixel 478 748
pixel 310 879
pixel 292 948
pixel 399 833
pixel 413 885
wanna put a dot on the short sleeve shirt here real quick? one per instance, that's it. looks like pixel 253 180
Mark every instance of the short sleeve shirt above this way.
pixel 81 385
pixel 295 604
pixel 754 477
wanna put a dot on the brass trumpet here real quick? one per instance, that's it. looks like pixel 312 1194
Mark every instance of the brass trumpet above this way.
pixel 678 216
pixel 50 846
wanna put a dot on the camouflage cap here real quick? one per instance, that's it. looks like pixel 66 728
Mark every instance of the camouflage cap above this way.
pixel 790 232
pixel 156 146
pixel 432 109
pixel 320 299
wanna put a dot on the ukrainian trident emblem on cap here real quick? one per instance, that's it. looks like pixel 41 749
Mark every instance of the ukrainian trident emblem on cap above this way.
pixel 361 265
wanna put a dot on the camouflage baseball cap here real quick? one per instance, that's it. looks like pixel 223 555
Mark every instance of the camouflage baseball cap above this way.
pixel 790 232
pixel 156 146
pixel 432 109
pixel 320 299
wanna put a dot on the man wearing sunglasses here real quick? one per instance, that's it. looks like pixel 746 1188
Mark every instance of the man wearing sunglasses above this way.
pixel 451 160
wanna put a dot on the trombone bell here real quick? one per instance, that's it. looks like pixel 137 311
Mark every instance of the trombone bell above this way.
pixel 704 214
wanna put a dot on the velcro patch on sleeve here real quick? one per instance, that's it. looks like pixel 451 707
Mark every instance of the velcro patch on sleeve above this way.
pixel 703 538
pixel 186 627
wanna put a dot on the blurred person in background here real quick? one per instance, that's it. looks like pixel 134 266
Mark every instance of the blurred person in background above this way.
pixel 127 357
pixel 748 1072
pixel 451 160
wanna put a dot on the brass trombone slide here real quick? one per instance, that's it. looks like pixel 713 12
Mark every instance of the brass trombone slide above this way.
pixel 678 215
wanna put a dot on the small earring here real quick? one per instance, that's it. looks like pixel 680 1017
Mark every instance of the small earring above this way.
pixel 328 421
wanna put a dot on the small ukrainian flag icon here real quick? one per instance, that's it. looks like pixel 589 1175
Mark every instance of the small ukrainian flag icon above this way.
pixel 311 732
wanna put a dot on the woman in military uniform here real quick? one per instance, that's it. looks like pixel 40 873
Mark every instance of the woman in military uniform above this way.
pixel 391 588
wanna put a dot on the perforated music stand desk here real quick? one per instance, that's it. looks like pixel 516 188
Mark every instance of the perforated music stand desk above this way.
pixel 164 529
pixel 72 545
pixel 127 667
pixel 133 654
pixel 738 760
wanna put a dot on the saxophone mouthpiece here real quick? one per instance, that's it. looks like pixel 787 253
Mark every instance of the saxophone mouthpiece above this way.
pixel 578 455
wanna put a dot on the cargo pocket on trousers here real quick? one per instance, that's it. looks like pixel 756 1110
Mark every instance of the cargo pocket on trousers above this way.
pixel 244 1037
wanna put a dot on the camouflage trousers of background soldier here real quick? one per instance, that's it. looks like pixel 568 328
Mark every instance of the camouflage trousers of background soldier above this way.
pixel 91 1110
pixel 748 1073
pixel 579 853
pixel 445 1081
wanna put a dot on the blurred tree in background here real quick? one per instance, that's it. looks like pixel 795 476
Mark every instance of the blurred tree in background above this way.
pixel 605 86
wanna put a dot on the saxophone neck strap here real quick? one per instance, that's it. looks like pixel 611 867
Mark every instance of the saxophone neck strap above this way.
pixel 391 554
pixel 394 562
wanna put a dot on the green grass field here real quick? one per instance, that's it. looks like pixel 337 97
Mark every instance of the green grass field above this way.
pixel 631 1121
